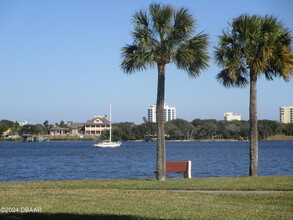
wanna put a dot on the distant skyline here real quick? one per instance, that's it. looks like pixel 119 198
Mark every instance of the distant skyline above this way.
pixel 60 60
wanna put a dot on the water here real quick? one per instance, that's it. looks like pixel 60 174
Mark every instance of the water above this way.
pixel 78 160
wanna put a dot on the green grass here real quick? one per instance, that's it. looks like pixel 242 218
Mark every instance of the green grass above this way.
pixel 126 199
pixel 279 138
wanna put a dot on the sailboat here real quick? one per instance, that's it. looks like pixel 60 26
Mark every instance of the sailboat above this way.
pixel 109 143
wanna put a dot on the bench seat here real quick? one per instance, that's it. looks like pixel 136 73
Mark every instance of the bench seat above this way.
pixel 179 167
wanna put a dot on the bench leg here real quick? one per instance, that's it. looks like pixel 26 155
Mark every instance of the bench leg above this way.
pixel 188 173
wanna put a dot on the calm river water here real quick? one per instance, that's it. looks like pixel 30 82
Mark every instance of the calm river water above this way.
pixel 78 160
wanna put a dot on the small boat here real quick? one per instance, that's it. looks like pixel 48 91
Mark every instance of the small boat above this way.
pixel 109 143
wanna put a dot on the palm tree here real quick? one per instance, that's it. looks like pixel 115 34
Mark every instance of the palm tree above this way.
pixel 163 35
pixel 253 46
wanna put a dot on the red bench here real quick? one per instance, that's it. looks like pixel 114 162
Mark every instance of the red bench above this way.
pixel 179 167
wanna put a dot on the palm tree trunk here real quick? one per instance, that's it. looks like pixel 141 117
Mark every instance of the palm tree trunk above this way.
pixel 253 153
pixel 161 149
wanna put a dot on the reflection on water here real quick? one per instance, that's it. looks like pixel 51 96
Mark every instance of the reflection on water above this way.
pixel 78 160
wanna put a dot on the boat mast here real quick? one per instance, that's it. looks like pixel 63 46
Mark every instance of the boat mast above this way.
pixel 110 122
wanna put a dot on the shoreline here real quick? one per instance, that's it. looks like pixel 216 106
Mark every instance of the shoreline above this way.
pixel 201 140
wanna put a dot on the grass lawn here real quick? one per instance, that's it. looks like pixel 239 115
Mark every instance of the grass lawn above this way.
pixel 279 138
pixel 129 199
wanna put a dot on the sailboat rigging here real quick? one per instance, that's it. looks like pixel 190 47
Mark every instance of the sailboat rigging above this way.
pixel 109 143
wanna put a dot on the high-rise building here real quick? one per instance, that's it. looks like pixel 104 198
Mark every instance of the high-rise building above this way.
pixel 286 114
pixel 152 113
pixel 229 116
pixel 169 113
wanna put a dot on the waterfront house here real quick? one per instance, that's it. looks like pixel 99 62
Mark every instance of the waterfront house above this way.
pixel 59 131
pixel 95 126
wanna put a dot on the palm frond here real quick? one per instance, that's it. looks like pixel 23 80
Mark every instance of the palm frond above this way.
pixel 281 64
pixel 229 50
pixel 227 80
pixel 135 59
pixel 144 38
pixel 192 55
pixel 142 34
pixel 141 19
pixel 161 19
pixel 183 26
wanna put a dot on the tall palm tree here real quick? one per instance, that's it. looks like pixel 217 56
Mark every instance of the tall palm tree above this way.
pixel 253 46
pixel 163 35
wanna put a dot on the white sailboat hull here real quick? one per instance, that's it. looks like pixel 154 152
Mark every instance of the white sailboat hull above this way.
pixel 107 144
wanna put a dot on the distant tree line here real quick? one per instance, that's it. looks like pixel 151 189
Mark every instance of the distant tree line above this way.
pixel 14 128
pixel 178 129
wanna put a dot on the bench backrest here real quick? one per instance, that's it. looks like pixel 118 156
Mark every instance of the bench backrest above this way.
pixel 176 166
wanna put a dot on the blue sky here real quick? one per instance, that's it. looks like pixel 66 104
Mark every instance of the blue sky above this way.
pixel 60 60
